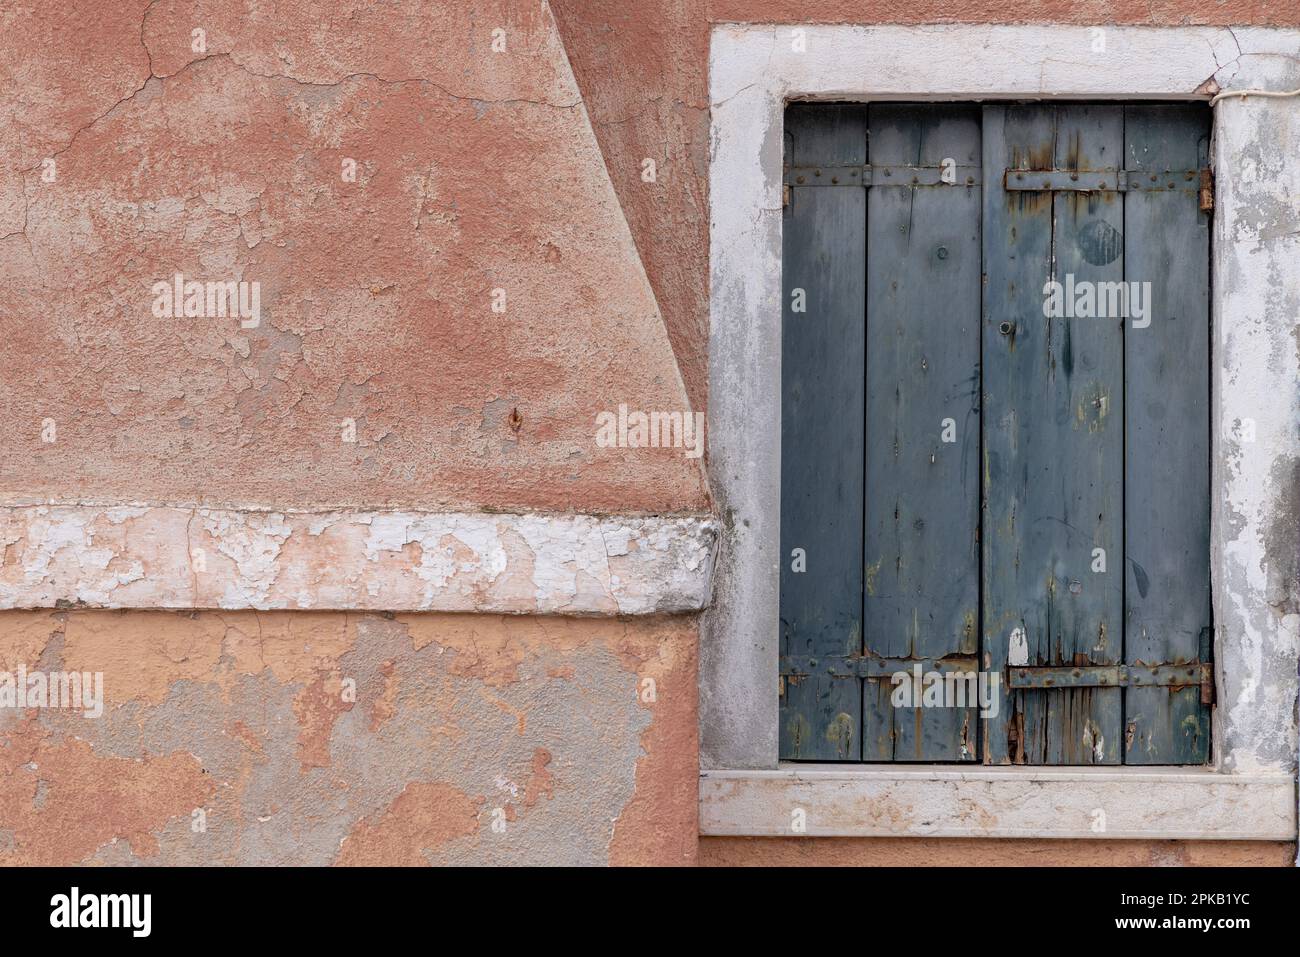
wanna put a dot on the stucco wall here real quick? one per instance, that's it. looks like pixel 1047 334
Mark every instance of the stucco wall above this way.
pixel 477 169
pixel 301 738
pixel 204 461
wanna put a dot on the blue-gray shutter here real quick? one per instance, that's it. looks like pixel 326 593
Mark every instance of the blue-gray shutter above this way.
pixel 822 366
pixel 922 493
pixel 1066 527
pixel 1053 433
pixel 1167 459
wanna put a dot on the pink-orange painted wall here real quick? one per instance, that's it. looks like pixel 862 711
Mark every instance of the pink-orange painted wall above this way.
pixel 341 737
pixel 475 171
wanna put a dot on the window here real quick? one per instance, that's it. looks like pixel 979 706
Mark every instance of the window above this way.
pixel 995 434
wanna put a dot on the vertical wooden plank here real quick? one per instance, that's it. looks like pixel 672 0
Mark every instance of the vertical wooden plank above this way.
pixel 1017 244
pixel 1167 461
pixel 1084 725
pixel 822 413
pixel 1053 399
pixel 922 410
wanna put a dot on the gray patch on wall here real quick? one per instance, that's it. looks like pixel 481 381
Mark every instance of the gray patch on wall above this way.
pixel 444 728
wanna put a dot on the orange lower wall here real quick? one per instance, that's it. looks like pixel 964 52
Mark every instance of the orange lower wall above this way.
pixel 304 738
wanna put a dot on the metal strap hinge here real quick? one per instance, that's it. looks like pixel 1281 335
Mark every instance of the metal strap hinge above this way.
pixel 1200 673
pixel 1199 181
pixel 892 175
pixel 1106 180
pixel 1038 678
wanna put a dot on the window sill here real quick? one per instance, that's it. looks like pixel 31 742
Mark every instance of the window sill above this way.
pixel 1013 802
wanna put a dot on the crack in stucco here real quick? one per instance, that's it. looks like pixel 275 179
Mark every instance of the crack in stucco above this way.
pixel 330 84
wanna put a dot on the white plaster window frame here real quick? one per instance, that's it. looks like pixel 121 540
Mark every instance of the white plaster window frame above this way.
pixel 1250 791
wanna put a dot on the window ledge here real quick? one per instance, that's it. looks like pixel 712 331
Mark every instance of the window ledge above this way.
pixel 1014 802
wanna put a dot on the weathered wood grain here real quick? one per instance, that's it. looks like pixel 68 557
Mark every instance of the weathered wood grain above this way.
pixel 1167 433
pixel 922 492
pixel 1065 523
pixel 821 431
pixel 1053 399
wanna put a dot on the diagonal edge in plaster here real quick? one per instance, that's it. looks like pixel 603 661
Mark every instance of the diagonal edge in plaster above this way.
pixel 627 238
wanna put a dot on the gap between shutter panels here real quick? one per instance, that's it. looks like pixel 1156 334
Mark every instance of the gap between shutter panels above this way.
pixel 1052 727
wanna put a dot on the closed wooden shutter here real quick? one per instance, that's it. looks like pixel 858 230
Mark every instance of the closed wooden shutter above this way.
pixel 969 482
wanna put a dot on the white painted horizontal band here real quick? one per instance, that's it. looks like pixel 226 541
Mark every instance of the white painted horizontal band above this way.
pixel 1013 802
pixel 141 556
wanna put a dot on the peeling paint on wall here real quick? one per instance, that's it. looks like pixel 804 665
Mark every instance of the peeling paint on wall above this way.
pixel 316 738
pixel 143 557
